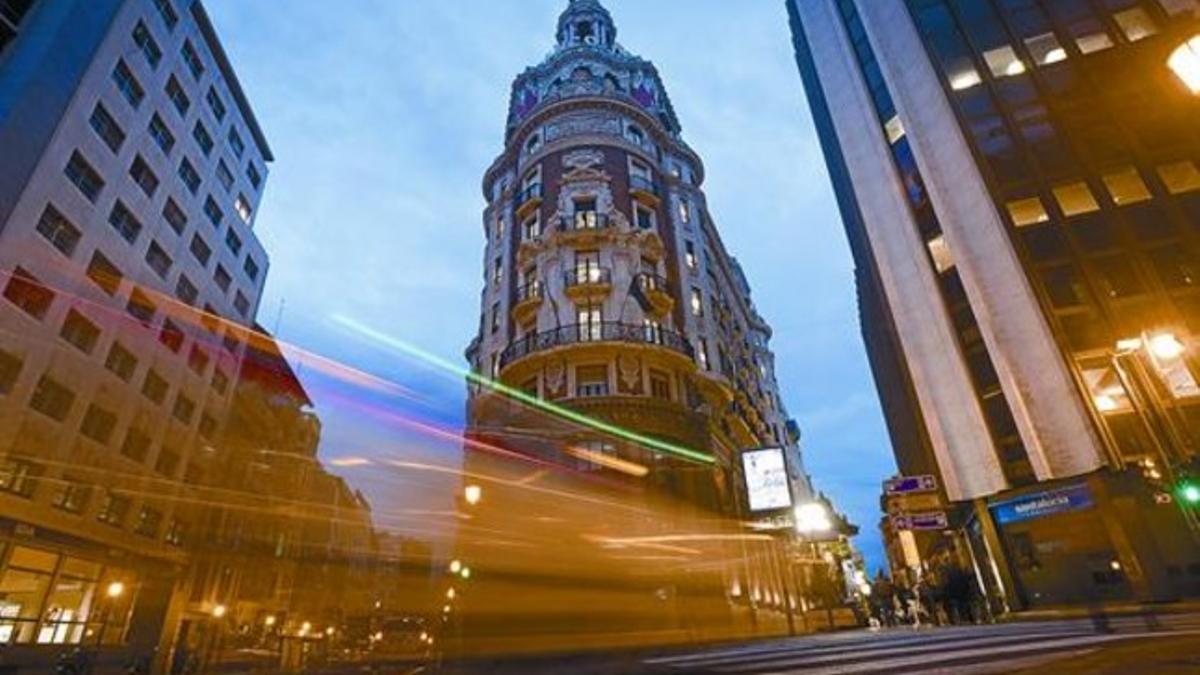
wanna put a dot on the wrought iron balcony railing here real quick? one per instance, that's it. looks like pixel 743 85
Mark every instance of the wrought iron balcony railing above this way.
pixel 584 221
pixel 528 194
pixel 644 185
pixel 529 291
pixel 595 332
pixel 653 282
pixel 584 276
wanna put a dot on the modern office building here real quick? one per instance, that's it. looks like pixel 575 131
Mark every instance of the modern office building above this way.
pixel 1019 183
pixel 131 167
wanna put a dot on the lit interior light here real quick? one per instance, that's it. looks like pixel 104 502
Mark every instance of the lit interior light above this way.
pixel 305 627
pixel 450 594
pixel 472 493
pixel 115 589
pixel 1015 68
pixel 1115 565
pixel 1054 56
pixel 466 572
pixel 964 80
pixel 1185 63
pixel 218 611
pixel 270 620
pixel 1166 346
pixel 330 631
pixel 455 566
pixel 1105 403
pixel 813 518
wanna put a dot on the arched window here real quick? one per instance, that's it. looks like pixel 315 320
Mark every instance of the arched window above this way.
pixel 635 135
pixel 534 142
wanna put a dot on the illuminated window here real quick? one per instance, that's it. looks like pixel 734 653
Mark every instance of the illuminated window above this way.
pixel 697 302
pixel 1093 42
pixel 1185 63
pixel 940 253
pixel 1045 49
pixel 1180 177
pixel 1126 186
pixel 964 79
pixel 1003 62
pixel 1108 395
pixel 1180 6
pixel 689 255
pixel 894 129
pixel 1075 198
pixel 1027 211
pixel 1135 23
pixel 685 211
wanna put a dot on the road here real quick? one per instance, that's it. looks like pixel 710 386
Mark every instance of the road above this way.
pixel 1135 645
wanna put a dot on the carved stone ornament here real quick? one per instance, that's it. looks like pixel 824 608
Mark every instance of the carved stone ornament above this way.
pixel 630 372
pixel 588 158
pixel 556 378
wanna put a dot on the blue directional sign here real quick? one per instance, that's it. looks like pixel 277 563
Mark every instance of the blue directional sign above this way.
pixel 909 484
pixel 1040 504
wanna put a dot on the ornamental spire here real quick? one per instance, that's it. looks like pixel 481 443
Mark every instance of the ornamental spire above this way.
pixel 586 23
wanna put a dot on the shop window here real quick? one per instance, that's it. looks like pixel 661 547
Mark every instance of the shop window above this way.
pixel 1180 177
pixel 1126 186
pixel 1003 62
pixel 1135 23
pixel 70 602
pixel 23 588
pixel 1027 211
pixel 1045 49
pixel 1075 198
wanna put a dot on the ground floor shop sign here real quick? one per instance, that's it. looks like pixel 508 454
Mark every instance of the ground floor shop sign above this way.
pixel 1040 504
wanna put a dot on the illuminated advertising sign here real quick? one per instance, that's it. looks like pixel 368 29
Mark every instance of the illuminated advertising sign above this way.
pixel 766 479
pixel 1040 504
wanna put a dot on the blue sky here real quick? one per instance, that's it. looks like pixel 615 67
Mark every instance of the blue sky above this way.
pixel 383 116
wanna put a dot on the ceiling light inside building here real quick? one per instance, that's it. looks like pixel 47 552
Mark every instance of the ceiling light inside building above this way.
pixel 1185 63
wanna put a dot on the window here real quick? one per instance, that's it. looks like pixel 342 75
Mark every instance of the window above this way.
pixel 113 509
pixel 120 362
pixel 1045 49
pixel 127 84
pixel 79 332
pixel 1093 42
pixel 531 228
pixel 964 76
pixel 72 496
pixel 1174 7
pixel 940 252
pixel 123 221
pixel 215 103
pixel 188 174
pixel 141 307
pixel 645 217
pixel 192 59
pixel 1027 211
pixel 143 176
pixel 253 176
pixel 1117 276
pixel 587 267
pixel 178 97
pixel 220 381
pixel 27 293
pixel 241 304
pixel 1176 266
pixel 184 409
pixel 198 360
pixel 59 231
pixel 251 268
pixel 106 128
pixel 235 143
pixel 104 273
pixel 497 271
pixel 202 138
pixel 52 399
pixel 174 216
pixel 591 322
pixel 98 424
pixel 154 387
pixel 894 129
pixel 200 250
pixel 1075 198
pixel 167 462
pixel 171 336
pixel 167 13
pixel 221 276
pixel 213 211
pixel 1003 62
pixel 495 314
pixel 145 42
pixel 176 529
pixel 162 136
pixel 591 381
pixel 697 302
pixel 1180 177
pixel 233 242
pixel 17 477
pixel 242 206
pixel 148 521
pixel 689 255
pixel 685 211
pixel 83 176
pixel 10 370
pixel 1135 23
pixel 635 135
pixel 660 385
pixel 223 175
pixel 186 291
pixel 158 259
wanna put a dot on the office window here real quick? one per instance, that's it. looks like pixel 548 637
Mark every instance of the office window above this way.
pixel 1180 177
pixel 251 268
pixel 79 332
pixel 198 360
pixel 60 232
pixel 1176 266
pixel 214 213
pixel 697 302
pixel 689 255
pixel 52 399
pixel 233 242
pixel 72 496
pixel 98 424
pixel 1075 198
pixel 242 206
pixel 222 277
pixel 215 103
pixel 83 176
pixel 27 293
pixel 120 361
pixel 204 140
pixel 241 304
pixel 189 175
pixel 123 221
pixel 127 84
pixel 20 477
pixel 145 42
pixel 940 252
pixel 154 387
pixel 169 17
pixel 104 273
pixel 141 307
pixel 114 509
pixel 1045 49
pixel 158 260
pixel 253 176
pixel 162 136
pixel 171 336
pixel 1003 62
pixel 1027 211
pixel 200 250
pixel 893 129
pixel 184 409
pixel 1126 186
pixel 591 381
pixel 1135 23
pixel 178 97
pixel 148 521
pixel 1093 42
pixel 186 291
pixel 175 532
pixel 174 216
pixel 141 174
pixel 223 176
pixel 167 462
pixel 10 370
pixel 235 143
pixel 1174 7
pixel 107 128
pixel 192 59
pixel 964 76
pixel 1117 276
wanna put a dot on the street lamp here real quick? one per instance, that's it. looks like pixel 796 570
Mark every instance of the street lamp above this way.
pixel 269 621
pixel 218 611
pixel 455 566
pixel 115 590
pixel 466 573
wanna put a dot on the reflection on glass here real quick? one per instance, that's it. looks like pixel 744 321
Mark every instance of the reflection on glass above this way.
pixel 1135 23
pixel 1027 211
pixel 1045 49
pixel 1126 186
pixel 1003 62
pixel 1075 198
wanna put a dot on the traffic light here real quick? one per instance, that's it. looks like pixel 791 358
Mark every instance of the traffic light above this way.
pixel 1189 492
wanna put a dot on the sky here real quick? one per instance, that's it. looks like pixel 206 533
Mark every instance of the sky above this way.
pixel 383 116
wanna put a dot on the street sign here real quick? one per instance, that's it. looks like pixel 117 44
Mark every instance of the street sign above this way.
pixel 908 503
pixel 908 484
pixel 930 520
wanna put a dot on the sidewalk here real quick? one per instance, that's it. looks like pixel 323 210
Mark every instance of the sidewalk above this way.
pixel 1107 609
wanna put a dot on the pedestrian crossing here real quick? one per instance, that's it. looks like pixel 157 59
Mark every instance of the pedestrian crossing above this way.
pixel 959 650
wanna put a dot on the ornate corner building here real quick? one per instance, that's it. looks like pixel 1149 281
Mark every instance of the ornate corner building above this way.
pixel 608 290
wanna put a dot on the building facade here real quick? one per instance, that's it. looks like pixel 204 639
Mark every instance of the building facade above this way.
pixel 1019 184
pixel 131 172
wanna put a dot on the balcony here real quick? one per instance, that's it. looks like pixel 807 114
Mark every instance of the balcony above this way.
pixel 585 221
pixel 589 280
pixel 575 334
pixel 645 190
pixel 657 291
pixel 529 299
pixel 528 199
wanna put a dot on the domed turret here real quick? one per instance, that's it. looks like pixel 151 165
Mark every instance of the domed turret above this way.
pixel 586 23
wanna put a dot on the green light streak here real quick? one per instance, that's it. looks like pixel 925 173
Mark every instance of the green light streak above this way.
pixel 534 401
